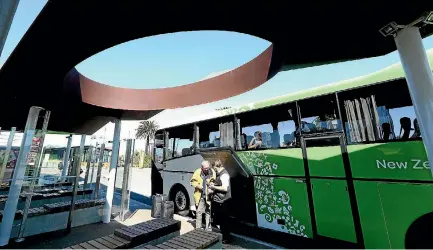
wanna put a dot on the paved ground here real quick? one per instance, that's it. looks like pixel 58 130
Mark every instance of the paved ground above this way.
pixel 141 185
pixel 60 240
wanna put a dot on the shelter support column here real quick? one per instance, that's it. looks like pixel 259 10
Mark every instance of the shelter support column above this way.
pixel 18 176
pixel 112 174
pixel 124 203
pixel 420 81
pixel 76 172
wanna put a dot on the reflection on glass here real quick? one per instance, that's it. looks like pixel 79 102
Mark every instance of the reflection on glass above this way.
pixel 214 140
pixel 266 136
pixel 183 147
pixel 367 122
pixel 159 152
pixel 320 124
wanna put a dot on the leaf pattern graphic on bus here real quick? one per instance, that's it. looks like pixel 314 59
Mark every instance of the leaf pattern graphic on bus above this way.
pixel 273 203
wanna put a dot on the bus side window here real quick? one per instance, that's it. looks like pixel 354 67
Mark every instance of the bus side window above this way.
pixel 272 127
pixel 214 140
pixel 170 149
pixel 158 155
pixel 183 147
pixel 180 141
pixel 210 134
pixel 373 114
pixel 319 115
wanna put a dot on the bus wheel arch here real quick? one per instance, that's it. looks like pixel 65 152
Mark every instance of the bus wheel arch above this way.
pixel 179 195
pixel 418 235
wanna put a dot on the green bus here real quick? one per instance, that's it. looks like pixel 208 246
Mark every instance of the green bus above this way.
pixel 343 163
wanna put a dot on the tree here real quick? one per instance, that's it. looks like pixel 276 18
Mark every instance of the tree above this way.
pixel 146 130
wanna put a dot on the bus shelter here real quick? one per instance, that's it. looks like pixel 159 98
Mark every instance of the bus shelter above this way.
pixel 82 105
pixel 56 188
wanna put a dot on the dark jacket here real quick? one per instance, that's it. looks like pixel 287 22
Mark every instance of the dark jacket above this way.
pixel 218 196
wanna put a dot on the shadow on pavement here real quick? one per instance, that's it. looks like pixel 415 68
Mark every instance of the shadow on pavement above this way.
pixel 61 240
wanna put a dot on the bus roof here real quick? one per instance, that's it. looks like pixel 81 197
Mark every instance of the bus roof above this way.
pixel 389 73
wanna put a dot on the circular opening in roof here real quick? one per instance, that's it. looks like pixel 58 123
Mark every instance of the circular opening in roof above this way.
pixel 171 60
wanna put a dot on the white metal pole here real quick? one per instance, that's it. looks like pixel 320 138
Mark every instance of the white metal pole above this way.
pixel 18 177
pixel 76 172
pixel 66 158
pixel 124 200
pixel 89 162
pixel 93 165
pixel 112 175
pixel 7 153
pixel 419 79
pixel 98 172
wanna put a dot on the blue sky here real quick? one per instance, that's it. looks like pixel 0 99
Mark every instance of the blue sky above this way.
pixel 182 58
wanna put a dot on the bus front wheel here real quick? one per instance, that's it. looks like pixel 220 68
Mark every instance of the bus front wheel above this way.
pixel 181 201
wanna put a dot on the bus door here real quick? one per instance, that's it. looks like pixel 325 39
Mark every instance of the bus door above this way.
pixel 333 209
pixel 243 206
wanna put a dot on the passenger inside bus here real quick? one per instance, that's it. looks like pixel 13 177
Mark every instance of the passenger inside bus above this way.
pixel 386 130
pixel 405 124
pixel 256 141
pixel 244 140
pixel 417 131
pixel 276 125
pixel 319 115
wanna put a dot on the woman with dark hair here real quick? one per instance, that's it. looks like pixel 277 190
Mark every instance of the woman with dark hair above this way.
pixel 417 132
pixel 256 142
pixel 405 127
pixel 386 130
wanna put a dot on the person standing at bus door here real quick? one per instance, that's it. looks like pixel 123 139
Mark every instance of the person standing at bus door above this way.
pixel 256 142
pixel 200 180
pixel 221 199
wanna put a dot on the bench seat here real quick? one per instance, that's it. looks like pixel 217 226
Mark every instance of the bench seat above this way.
pixel 79 204
pixel 128 237
pixel 107 242
pixel 196 239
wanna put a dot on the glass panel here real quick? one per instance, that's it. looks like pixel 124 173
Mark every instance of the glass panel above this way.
pixel 159 153
pixel 170 149
pixel 183 147
pixel 213 140
pixel 283 136
pixel 319 115
pixel 258 136
pixel 373 114
pixel 272 127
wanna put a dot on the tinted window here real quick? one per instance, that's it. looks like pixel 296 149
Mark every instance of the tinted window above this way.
pixel 319 115
pixel 374 114
pixel 272 127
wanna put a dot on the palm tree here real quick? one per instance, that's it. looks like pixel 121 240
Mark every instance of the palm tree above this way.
pixel 146 130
